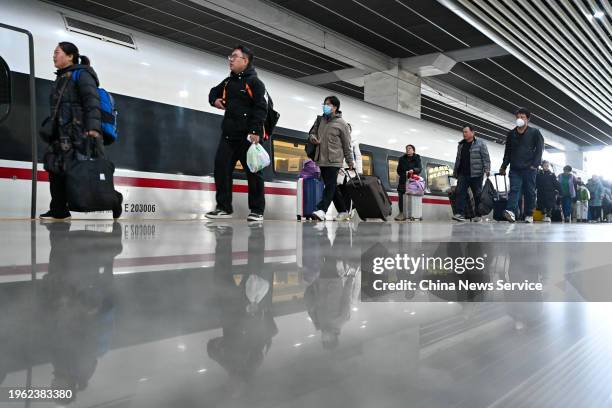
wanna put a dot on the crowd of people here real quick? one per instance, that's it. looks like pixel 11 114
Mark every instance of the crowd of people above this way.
pixel 76 124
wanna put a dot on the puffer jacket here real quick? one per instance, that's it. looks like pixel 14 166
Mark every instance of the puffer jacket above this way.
pixel 334 139
pixel 79 108
pixel 596 189
pixel 244 114
pixel 547 186
pixel 480 162
pixel 407 163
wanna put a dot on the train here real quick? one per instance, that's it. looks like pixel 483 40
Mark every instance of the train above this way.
pixel 168 132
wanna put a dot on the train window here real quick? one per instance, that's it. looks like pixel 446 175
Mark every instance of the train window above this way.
pixel 393 176
pixel 366 159
pixel 289 157
pixel 5 89
pixel 437 177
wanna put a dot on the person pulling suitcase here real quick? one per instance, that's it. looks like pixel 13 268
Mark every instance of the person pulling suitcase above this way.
pixel 332 138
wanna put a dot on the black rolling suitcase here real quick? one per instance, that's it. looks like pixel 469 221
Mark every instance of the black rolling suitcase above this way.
pixel 89 184
pixel 369 197
pixel 500 202
pixel 470 211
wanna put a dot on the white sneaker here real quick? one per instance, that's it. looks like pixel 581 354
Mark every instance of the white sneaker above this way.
pixel 459 217
pixel 509 216
pixel 352 213
pixel 547 219
pixel 528 220
pixel 400 217
pixel 343 216
pixel 319 215
pixel 255 217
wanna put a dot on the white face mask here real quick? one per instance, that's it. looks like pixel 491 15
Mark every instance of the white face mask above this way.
pixel 520 123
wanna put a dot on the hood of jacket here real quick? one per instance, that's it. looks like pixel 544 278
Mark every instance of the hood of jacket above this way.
pixel 74 67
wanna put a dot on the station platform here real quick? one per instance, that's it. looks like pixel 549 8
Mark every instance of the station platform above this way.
pixel 231 314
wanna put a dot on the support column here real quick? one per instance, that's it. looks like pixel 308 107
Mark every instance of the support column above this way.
pixel 395 89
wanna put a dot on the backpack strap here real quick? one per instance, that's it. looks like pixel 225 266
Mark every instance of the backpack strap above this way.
pixel 76 74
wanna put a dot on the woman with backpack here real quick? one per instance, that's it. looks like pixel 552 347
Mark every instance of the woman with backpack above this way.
pixel 74 124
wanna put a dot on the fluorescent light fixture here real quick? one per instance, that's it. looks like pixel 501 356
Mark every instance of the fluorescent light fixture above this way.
pixel 299 98
pixel 599 14
pixel 313 108
pixel 183 94
pixel 204 72
pixel 363 116
pixel 146 64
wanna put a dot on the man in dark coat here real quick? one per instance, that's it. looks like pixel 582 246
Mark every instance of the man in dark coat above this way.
pixel 547 187
pixel 243 98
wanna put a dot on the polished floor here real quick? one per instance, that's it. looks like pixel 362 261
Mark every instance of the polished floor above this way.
pixel 226 314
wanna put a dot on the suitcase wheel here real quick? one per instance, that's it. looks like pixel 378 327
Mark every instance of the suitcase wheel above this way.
pixel 299 218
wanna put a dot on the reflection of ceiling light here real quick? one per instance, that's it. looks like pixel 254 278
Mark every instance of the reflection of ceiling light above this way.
pixel 182 347
pixel 450 303
pixel 363 116
pixel 364 322
pixel 599 14
pixel 183 94
pixel 146 64
pixel 297 344
pixel 363 326
pixel 355 309
pixel 310 336
pixel 142 379
pixel 412 313
pixel 414 130
pixel 202 370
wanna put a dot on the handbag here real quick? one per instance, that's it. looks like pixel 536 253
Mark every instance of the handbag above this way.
pixel 311 148
pixel 48 124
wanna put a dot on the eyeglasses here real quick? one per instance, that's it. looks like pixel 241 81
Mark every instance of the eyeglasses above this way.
pixel 233 57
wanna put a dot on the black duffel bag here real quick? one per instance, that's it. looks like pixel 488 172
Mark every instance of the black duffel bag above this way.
pixel 89 183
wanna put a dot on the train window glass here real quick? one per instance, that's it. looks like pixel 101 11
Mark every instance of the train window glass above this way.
pixel 289 157
pixel 393 176
pixel 366 159
pixel 5 89
pixel 437 177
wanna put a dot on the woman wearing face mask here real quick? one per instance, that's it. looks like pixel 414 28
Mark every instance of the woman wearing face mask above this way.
pixel 408 164
pixel 332 137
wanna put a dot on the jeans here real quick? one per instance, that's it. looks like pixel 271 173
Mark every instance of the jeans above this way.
pixel 228 153
pixel 566 204
pixel 463 183
pixel 329 175
pixel 522 182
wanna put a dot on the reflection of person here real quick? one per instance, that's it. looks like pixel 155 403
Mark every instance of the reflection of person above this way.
pixel 328 298
pixel 77 299
pixel 246 315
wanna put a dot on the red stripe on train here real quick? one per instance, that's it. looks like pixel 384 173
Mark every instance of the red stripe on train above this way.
pixel 25 174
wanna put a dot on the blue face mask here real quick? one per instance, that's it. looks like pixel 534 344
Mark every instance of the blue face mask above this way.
pixel 327 110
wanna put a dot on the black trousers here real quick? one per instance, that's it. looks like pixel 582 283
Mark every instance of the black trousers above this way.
pixel 228 153
pixel 59 198
pixel 342 201
pixel 329 175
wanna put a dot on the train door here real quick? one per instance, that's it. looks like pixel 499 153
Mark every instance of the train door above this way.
pixel 17 124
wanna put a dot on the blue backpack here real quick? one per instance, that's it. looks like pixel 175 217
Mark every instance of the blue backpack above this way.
pixel 109 113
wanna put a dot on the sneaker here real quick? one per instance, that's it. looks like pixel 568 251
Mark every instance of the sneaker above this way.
pixel 352 214
pixel 400 217
pixel 255 217
pixel 319 215
pixel 509 216
pixel 528 220
pixel 547 219
pixel 476 219
pixel 119 207
pixel 218 214
pixel 459 217
pixel 55 217
pixel 343 216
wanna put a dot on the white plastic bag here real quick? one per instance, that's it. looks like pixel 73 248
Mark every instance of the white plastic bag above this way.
pixel 257 158
pixel 256 289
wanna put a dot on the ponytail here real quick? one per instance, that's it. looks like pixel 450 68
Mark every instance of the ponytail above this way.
pixel 71 49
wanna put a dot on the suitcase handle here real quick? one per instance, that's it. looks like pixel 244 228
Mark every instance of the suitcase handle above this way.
pixel 505 182
pixel 347 173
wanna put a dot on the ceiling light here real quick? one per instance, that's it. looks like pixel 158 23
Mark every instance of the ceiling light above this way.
pixel 204 72
pixel 599 14
pixel 299 98
pixel 183 94
pixel 363 116
pixel 313 108
pixel 424 147
pixel 146 64
pixel 414 130
pixel 392 141
pixel 182 347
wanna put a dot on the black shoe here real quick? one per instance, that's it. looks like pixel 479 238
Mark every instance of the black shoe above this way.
pixel 50 215
pixel 218 214
pixel 118 207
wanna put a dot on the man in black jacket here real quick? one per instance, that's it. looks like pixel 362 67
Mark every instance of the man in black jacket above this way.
pixel 243 97
pixel 524 146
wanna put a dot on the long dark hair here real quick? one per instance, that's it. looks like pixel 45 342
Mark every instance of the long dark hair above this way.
pixel 71 49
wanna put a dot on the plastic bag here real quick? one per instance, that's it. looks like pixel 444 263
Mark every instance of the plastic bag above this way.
pixel 256 289
pixel 415 185
pixel 257 158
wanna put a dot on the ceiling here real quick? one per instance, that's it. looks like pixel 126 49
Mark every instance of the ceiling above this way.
pixel 396 28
